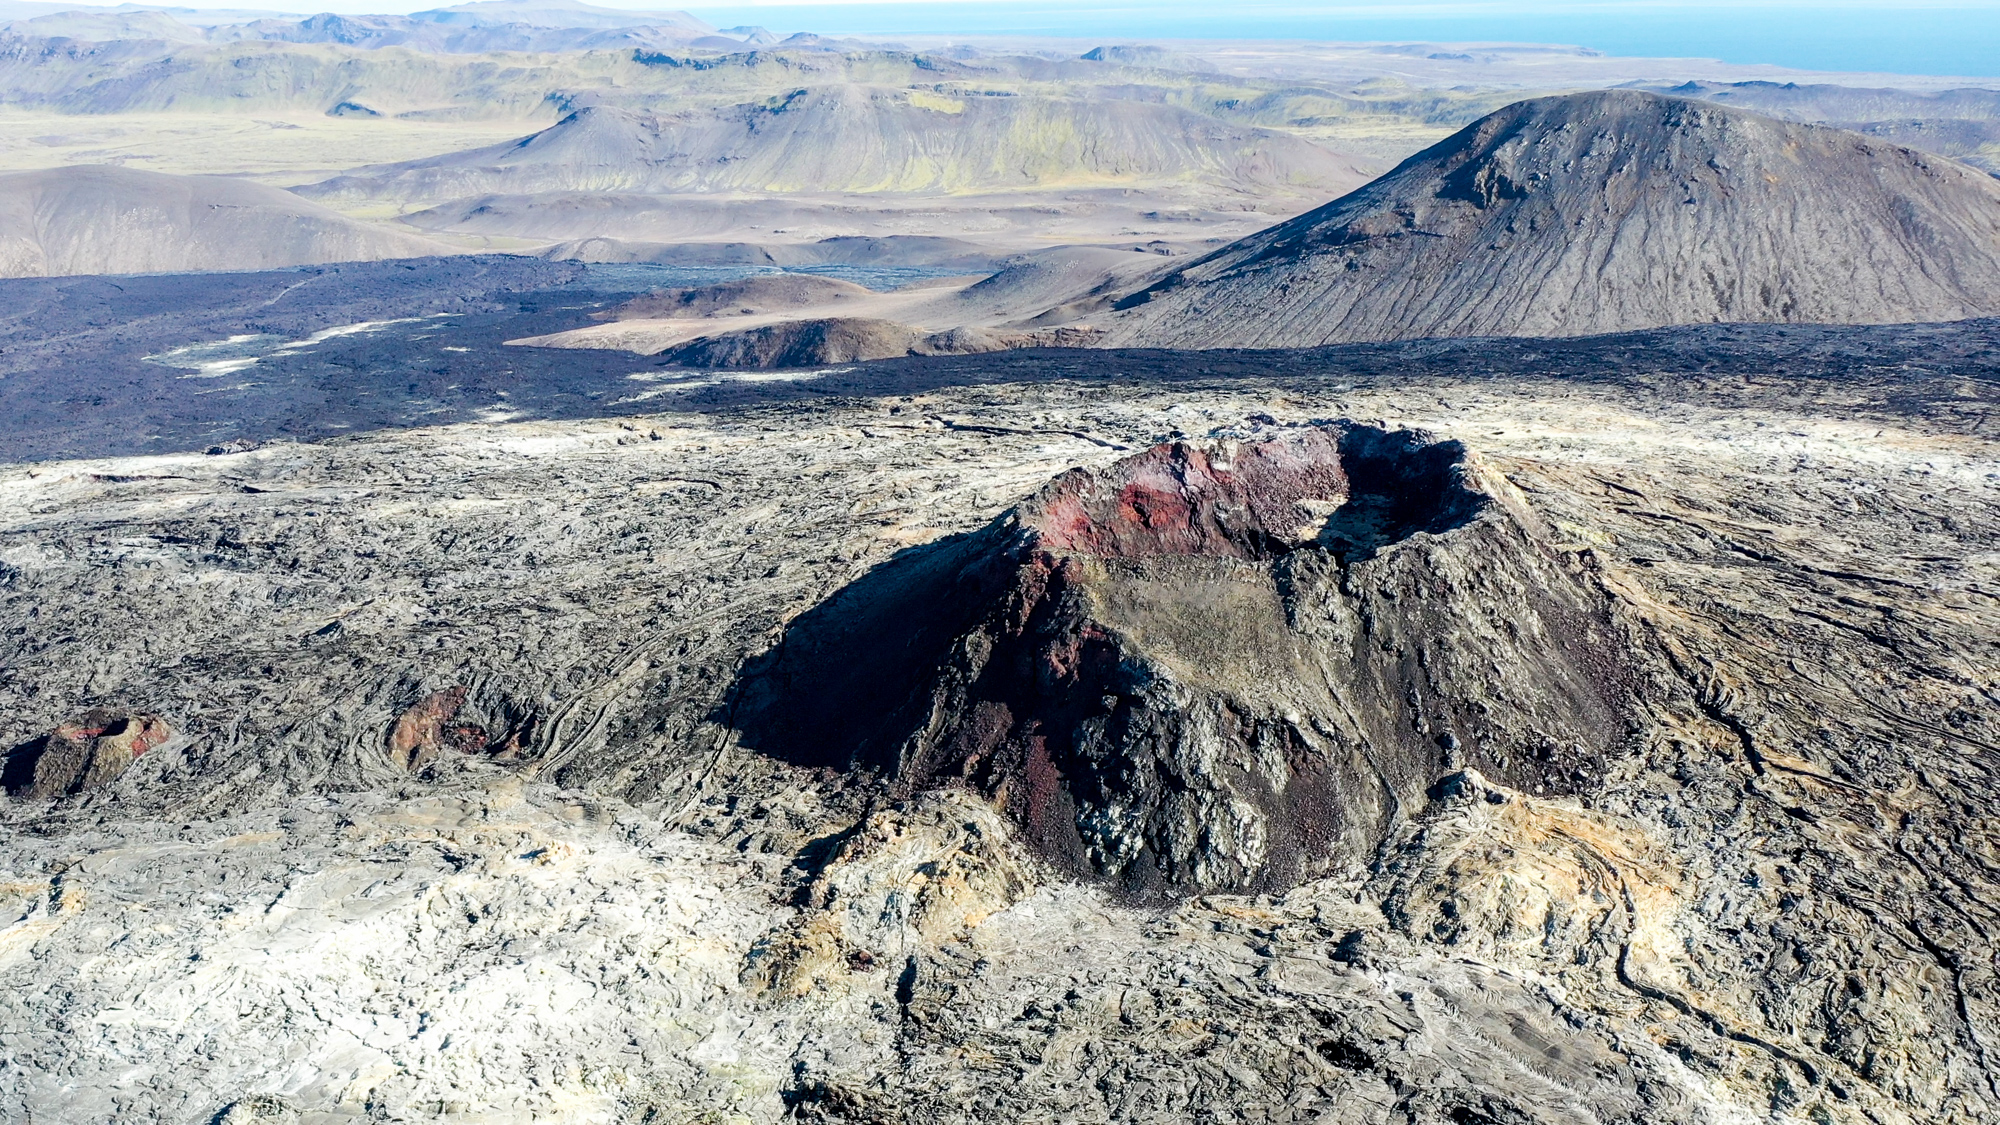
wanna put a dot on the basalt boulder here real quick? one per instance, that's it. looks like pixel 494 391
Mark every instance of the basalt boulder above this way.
pixel 1230 666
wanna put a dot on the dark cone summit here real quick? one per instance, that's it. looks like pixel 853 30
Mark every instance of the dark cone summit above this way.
pixel 1214 667
pixel 1603 212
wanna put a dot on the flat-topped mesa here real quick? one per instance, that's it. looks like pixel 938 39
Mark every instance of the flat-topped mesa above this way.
pixel 1227 666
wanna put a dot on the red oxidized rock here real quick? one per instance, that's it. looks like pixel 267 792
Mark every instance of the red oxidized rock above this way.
pixel 1177 499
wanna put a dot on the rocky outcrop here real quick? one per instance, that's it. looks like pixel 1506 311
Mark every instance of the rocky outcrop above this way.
pixel 87 752
pixel 1216 667
pixel 902 881
pixel 1603 212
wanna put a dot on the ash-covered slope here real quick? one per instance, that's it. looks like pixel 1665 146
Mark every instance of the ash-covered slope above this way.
pixel 1603 212
pixel 101 219
pixel 1963 124
pixel 864 138
pixel 1217 668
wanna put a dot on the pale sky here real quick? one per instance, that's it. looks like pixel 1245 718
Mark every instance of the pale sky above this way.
pixel 1954 37
pixel 1145 11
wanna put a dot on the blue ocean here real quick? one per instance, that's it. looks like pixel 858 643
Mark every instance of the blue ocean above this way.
pixel 1905 40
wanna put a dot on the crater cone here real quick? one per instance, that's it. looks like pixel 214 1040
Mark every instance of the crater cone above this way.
pixel 1230 666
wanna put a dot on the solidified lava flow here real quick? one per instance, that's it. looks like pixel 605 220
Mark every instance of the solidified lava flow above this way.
pixel 1223 666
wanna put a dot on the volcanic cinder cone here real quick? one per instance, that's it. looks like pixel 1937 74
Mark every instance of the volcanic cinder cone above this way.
pixel 1603 212
pixel 1226 666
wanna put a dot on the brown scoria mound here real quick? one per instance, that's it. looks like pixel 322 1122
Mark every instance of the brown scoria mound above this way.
pixel 457 722
pixel 1222 667
pixel 86 752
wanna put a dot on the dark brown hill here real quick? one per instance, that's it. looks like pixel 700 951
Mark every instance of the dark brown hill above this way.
pixel 1603 212
pixel 758 293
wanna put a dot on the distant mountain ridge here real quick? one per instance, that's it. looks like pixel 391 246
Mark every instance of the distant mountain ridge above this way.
pixel 1603 212
pixel 559 13
pixel 472 37
pixel 854 138
pixel 486 25
pixel 1961 123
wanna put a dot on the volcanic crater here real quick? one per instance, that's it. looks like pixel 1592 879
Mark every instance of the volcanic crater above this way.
pixel 1223 666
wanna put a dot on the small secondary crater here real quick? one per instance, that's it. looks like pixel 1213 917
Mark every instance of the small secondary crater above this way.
pixel 87 752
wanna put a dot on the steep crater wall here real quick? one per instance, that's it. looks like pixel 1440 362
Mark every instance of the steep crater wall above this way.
pixel 1215 667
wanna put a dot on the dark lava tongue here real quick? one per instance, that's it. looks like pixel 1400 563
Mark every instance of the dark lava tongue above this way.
pixel 1221 667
